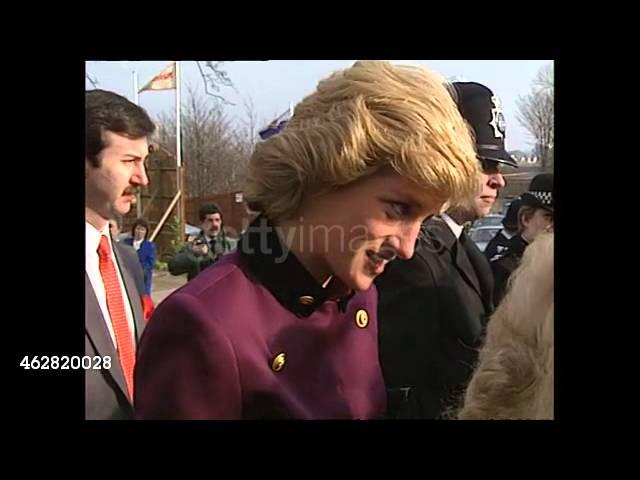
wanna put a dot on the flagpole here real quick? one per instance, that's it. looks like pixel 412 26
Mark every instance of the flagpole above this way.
pixel 136 95
pixel 178 139
pixel 136 100
pixel 181 218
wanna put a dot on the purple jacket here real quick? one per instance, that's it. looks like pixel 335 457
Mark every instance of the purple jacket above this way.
pixel 251 338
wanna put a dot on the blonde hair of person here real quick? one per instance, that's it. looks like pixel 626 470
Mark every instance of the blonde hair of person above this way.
pixel 514 376
pixel 370 116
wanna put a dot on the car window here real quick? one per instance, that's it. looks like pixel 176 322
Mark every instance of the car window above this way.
pixel 490 221
pixel 483 235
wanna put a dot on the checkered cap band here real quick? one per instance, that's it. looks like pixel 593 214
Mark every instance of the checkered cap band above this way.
pixel 545 197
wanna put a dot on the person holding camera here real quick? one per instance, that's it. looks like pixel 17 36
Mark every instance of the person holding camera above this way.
pixel 207 248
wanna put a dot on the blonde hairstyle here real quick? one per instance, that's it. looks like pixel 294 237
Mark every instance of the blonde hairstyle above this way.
pixel 358 121
pixel 514 376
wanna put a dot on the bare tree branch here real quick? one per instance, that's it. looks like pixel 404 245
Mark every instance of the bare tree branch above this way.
pixel 93 81
pixel 215 153
pixel 536 115
pixel 214 79
pixel 251 121
pixel 544 78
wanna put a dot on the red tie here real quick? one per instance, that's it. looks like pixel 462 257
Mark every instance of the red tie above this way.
pixel 115 305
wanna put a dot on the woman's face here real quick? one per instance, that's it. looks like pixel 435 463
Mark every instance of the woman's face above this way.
pixel 354 232
pixel 541 221
pixel 139 232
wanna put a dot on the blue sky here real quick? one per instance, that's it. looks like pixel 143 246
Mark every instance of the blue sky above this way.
pixel 271 85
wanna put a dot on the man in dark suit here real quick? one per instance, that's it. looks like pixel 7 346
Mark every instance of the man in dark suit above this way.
pixel 116 147
pixel 434 306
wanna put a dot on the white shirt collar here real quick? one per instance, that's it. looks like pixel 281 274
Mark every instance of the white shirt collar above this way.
pixel 92 238
pixel 455 228
pixel 507 235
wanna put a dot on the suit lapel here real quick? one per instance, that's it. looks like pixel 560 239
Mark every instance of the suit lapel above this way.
pixel 135 299
pixel 99 335
pixel 482 270
pixel 464 266
pixel 438 230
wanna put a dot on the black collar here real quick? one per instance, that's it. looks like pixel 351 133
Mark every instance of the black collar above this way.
pixel 282 273
pixel 518 245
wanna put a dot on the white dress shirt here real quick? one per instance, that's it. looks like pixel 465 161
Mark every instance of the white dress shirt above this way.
pixel 92 267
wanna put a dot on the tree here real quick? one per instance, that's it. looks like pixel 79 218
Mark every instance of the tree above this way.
pixel 215 153
pixel 250 123
pixel 214 77
pixel 246 138
pixel 535 113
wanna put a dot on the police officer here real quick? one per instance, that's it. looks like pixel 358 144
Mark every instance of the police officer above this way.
pixel 433 307
pixel 535 217
pixel 500 242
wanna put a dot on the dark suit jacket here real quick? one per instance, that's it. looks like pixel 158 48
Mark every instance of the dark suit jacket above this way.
pixel 432 312
pixel 497 245
pixel 505 264
pixel 106 396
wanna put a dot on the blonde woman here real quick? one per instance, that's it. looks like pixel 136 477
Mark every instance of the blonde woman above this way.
pixel 285 327
pixel 514 377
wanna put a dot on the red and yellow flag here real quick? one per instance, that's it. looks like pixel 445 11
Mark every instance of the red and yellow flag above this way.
pixel 165 80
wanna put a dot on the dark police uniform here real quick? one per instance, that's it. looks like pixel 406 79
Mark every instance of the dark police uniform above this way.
pixel 432 310
pixel 497 246
pixel 500 243
pixel 433 307
pixel 255 337
pixel 504 264
pixel 540 195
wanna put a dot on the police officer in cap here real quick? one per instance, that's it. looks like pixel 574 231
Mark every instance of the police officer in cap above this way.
pixel 433 307
pixel 535 217
pixel 502 239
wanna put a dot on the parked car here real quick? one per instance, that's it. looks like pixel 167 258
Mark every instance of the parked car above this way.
pixel 481 236
pixel 493 220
